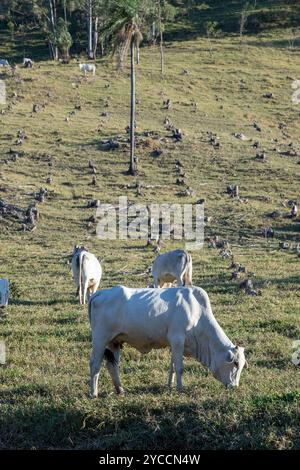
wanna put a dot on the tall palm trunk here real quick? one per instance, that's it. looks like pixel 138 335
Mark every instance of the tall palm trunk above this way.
pixel 132 165
pixel 161 45
pixel 162 60
pixel 53 22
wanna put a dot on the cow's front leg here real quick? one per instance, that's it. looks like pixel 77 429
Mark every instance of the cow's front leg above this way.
pixel 77 292
pixel 113 367
pixel 95 366
pixel 177 347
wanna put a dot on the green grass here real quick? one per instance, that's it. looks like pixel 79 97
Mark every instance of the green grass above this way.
pixel 44 387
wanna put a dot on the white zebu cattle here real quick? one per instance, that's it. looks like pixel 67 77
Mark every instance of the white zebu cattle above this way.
pixel 87 272
pixel 88 68
pixel 4 63
pixel 173 266
pixel 179 318
pixel 27 63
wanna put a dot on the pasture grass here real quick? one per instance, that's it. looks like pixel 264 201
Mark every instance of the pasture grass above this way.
pixel 44 385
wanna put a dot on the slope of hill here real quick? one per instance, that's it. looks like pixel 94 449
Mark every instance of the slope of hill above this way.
pixel 262 16
pixel 44 401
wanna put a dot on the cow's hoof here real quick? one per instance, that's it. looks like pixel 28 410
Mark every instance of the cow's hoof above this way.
pixel 93 395
pixel 120 391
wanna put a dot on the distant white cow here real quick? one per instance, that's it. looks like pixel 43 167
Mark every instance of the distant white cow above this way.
pixel 4 63
pixel 27 63
pixel 173 266
pixel 88 68
pixel 179 318
pixel 87 272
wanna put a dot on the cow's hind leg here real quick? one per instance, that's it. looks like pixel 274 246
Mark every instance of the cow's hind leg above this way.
pixel 85 291
pixel 112 362
pixel 171 374
pixel 177 348
pixel 97 355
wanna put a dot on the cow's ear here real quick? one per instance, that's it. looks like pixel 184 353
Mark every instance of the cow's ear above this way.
pixel 230 357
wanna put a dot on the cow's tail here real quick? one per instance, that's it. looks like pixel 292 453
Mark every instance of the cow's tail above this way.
pixel 81 258
pixel 188 269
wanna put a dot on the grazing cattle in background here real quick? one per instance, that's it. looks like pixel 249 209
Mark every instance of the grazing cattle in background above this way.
pixel 173 266
pixel 87 272
pixel 179 318
pixel 88 68
pixel 4 63
pixel 27 63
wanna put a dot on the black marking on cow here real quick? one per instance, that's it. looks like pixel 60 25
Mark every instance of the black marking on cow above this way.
pixel 109 356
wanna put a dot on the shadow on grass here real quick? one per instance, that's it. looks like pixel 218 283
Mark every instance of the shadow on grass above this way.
pixel 42 303
pixel 210 424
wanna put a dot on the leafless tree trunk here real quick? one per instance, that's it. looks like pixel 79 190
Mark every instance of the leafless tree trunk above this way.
pixel 161 42
pixel 243 20
pixel 132 165
pixel 65 10
pixel 96 35
pixel 89 9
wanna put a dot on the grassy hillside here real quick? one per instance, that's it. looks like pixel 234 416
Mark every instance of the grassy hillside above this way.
pixel 262 15
pixel 44 386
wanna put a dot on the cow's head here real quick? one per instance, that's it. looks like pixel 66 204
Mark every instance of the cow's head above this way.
pixel 230 366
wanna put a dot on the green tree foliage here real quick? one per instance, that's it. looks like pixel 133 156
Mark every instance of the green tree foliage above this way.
pixel 63 38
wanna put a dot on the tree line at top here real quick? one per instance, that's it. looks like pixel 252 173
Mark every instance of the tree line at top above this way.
pixel 97 24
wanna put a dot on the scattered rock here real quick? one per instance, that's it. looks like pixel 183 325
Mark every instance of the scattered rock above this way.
pixel 94 203
pixel 240 136
pixel 107 145
pixel 41 194
pixel 156 153
pixel 248 287
pixel 268 95
pixel 177 134
pixel 233 190
pixel 268 232
pixel 167 104
pixel 261 157
pixel 284 245
pixel 94 181
pixel 294 210
pixel 213 139
pixel 92 167
pixel 256 126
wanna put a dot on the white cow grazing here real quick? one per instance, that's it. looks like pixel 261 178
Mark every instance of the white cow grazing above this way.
pixel 27 63
pixel 87 272
pixel 179 318
pixel 173 266
pixel 4 63
pixel 88 68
